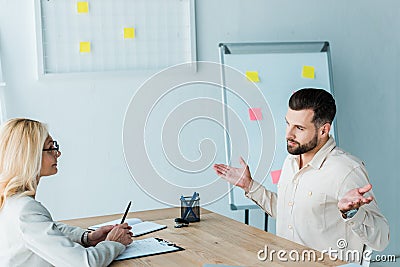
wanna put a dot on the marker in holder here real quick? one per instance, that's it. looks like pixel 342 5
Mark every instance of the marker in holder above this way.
pixel 190 208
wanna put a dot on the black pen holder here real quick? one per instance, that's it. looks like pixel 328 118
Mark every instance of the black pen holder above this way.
pixel 190 209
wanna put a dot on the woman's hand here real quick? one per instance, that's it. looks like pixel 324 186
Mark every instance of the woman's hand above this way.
pixel 120 233
pixel 99 235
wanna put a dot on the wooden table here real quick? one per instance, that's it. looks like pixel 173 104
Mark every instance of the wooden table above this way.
pixel 216 239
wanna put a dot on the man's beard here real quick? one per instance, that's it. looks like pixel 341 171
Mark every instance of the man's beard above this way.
pixel 301 149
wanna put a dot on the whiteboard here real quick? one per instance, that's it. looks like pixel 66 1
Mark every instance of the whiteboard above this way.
pixel 280 69
pixel 110 35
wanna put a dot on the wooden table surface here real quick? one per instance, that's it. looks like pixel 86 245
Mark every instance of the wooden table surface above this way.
pixel 216 239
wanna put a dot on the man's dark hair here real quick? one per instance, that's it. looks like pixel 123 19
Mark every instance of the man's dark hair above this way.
pixel 318 100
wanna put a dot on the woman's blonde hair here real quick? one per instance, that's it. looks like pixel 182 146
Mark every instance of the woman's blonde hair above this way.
pixel 21 145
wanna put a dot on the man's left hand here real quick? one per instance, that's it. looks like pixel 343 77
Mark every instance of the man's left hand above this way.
pixel 355 198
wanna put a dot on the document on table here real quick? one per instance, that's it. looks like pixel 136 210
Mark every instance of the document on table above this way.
pixel 139 227
pixel 147 247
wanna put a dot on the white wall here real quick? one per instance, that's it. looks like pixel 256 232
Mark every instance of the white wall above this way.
pixel 86 114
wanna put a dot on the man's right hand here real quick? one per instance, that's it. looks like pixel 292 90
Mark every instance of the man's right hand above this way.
pixel 237 176
pixel 120 233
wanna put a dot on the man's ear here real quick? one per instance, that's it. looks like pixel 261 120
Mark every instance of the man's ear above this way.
pixel 325 128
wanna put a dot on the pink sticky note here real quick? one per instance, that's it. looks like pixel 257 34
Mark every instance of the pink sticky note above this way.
pixel 255 114
pixel 275 176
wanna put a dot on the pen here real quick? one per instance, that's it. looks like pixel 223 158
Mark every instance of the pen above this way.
pixel 126 212
pixel 189 206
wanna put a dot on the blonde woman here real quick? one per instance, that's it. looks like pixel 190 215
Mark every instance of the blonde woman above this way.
pixel 28 234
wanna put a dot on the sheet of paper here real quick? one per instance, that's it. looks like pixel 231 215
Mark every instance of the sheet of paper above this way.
pixel 255 114
pixel 146 227
pixel 129 33
pixel 84 47
pixel 146 247
pixel 308 72
pixel 130 221
pixel 275 176
pixel 83 7
pixel 252 76
pixel 138 226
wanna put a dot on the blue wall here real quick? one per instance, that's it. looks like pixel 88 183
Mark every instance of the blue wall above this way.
pixel 365 47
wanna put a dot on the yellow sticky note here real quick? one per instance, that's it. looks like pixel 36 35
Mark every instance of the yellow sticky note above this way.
pixel 84 47
pixel 252 76
pixel 308 72
pixel 129 33
pixel 83 7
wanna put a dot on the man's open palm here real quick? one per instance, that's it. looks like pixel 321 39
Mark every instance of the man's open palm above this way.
pixel 237 176
pixel 355 198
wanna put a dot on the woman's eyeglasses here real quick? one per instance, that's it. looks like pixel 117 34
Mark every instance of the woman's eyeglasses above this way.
pixel 54 149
